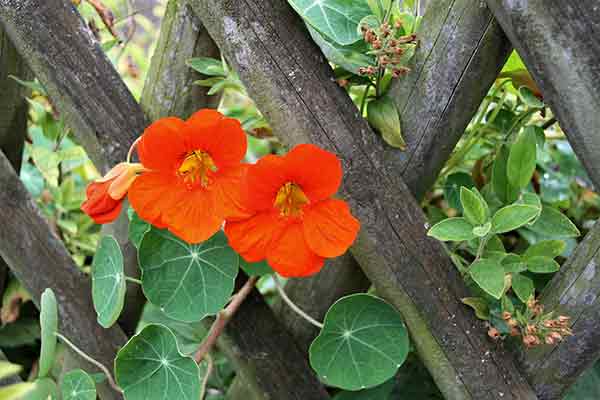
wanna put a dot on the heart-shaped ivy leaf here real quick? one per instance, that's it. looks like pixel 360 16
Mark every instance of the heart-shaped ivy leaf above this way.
pixel 187 281
pixel 362 344
pixel 78 385
pixel 108 281
pixel 151 367
pixel 49 327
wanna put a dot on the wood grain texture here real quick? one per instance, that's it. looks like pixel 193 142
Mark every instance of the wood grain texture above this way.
pixel 39 259
pixel 556 40
pixel 169 88
pixel 293 86
pixel 88 92
pixel 262 349
pixel 574 291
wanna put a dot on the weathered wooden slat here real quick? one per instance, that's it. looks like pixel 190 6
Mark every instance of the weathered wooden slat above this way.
pixel 293 86
pixel 574 291
pixel 261 348
pixel 87 91
pixel 38 258
pixel 556 41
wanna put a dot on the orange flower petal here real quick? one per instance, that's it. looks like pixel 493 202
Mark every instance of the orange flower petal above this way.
pixel 99 205
pixel 161 147
pixel 195 217
pixel 329 227
pixel 152 193
pixel 318 172
pixel 290 255
pixel 262 182
pixel 252 237
pixel 228 186
pixel 109 216
pixel 222 138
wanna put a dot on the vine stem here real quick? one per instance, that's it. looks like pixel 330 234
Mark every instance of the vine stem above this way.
pixel 223 318
pixel 133 280
pixel 293 306
pixel 86 357
pixel 133 145
pixel 209 369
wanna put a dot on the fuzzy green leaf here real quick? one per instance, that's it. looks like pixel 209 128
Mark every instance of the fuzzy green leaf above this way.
pixel 522 286
pixel 452 229
pixel 512 217
pixel 475 209
pixel 108 281
pixel 542 265
pixel 521 160
pixel 384 117
pixel 489 275
pixel 553 223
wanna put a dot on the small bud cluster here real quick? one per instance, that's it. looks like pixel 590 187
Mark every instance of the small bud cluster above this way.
pixel 388 46
pixel 534 326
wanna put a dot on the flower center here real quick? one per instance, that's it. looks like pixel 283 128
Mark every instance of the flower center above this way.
pixel 196 168
pixel 290 199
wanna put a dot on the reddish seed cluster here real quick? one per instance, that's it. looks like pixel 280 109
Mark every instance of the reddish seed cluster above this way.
pixel 388 47
pixel 534 327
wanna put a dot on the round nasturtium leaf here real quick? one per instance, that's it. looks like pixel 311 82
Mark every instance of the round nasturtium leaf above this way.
pixel 187 281
pixel 151 367
pixel 137 229
pixel 78 385
pixel 256 268
pixel 362 344
pixel 49 327
pixel 108 281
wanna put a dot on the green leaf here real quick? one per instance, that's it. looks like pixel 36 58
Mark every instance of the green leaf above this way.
pixel 256 268
pixel 210 82
pixel 362 344
pixel 381 392
pixel 489 275
pixel 17 391
pixel 512 217
pixel 336 19
pixel 500 183
pixel 531 199
pixel 479 305
pixel 555 224
pixel 78 385
pixel 351 57
pixel 49 327
pixel 189 281
pixel 151 367
pixel 108 281
pixel 384 117
pixel 33 85
pixel 521 160
pixel 43 389
pixel 548 248
pixel 109 44
pixel 452 229
pixel 452 187
pixel 529 98
pixel 513 263
pixel 482 230
pixel 522 286
pixel 379 7
pixel 47 163
pixel 475 209
pixel 207 66
pixel 542 265
pixel 137 229
pixel 8 369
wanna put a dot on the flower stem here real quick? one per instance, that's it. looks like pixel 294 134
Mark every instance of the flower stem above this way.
pixel 223 318
pixel 133 146
pixel 83 355
pixel 293 306
pixel 209 369
pixel 133 280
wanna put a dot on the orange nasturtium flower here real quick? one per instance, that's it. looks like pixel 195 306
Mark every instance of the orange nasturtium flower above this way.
pixel 296 223
pixel 104 196
pixel 192 174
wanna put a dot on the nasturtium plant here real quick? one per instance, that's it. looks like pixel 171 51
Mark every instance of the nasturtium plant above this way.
pixel 78 385
pixel 187 281
pixel 362 344
pixel 151 367
pixel 108 281
pixel 137 228
pixel 49 328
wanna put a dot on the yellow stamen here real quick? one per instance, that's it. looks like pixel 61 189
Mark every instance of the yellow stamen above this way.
pixel 197 167
pixel 290 199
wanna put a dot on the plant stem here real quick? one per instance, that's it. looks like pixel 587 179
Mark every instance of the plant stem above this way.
pixel 223 318
pixel 482 242
pixel 293 306
pixel 209 369
pixel 133 280
pixel 133 145
pixel 363 101
pixel 549 123
pixel 83 355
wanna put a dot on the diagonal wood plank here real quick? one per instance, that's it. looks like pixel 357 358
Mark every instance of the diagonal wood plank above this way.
pixel 293 86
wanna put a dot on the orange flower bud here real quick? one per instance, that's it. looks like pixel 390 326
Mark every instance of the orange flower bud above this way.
pixel 104 196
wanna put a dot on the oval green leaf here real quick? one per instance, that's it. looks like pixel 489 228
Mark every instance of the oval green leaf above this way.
pixel 479 305
pixel 512 217
pixel 78 385
pixel 489 275
pixel 383 115
pixel 506 192
pixel 49 327
pixel 362 344
pixel 151 367
pixel 548 248
pixel 475 209
pixel 187 281
pixel 452 229
pixel 522 286
pixel 553 223
pixel 521 160
pixel 542 265
pixel 108 281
